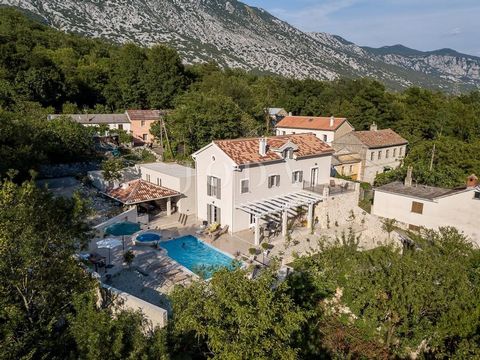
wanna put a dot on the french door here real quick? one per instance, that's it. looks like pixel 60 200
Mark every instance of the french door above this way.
pixel 213 214
pixel 313 177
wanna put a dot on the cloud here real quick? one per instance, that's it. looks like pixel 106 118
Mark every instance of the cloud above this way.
pixel 454 32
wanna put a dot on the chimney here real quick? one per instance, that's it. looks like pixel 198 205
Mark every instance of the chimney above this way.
pixel 472 181
pixel 262 146
pixel 408 178
pixel 332 119
pixel 373 127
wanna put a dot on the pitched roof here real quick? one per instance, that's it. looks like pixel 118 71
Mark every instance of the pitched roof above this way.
pixel 345 157
pixel 137 191
pixel 379 138
pixel 418 191
pixel 136 115
pixel 311 122
pixel 246 151
pixel 94 118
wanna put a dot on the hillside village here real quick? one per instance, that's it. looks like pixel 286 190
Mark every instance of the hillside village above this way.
pixel 155 210
pixel 265 199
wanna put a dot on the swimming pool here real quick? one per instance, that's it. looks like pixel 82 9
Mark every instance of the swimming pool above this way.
pixel 147 237
pixel 197 256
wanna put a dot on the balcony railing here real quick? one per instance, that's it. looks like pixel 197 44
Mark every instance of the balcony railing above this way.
pixel 333 188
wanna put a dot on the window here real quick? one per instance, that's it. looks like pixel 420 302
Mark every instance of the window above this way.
pixel 244 186
pixel 284 133
pixel 297 177
pixel 414 227
pixel 288 154
pixel 159 181
pixel 395 152
pixel 142 123
pixel 147 177
pixel 379 154
pixel 417 207
pixel 476 195
pixel 372 156
pixel 343 170
pixel 213 187
pixel 387 153
pixel 120 126
pixel 350 170
pixel 273 180
pixel 145 137
pixel 293 132
pixel 401 151
pixel 325 138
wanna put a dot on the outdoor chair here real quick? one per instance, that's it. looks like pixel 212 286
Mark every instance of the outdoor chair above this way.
pixel 220 232
pixel 332 183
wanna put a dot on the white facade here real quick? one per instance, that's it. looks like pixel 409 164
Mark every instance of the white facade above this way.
pixel 211 161
pixel 460 209
pixel 176 177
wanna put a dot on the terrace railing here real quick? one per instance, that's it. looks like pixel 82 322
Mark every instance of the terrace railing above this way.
pixel 333 188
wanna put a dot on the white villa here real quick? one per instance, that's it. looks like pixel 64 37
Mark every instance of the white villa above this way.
pixel 380 150
pixel 113 121
pixel 243 183
pixel 418 206
pixel 326 129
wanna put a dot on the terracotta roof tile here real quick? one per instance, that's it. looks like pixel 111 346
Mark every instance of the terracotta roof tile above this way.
pixel 136 115
pixel 379 138
pixel 137 191
pixel 310 122
pixel 246 151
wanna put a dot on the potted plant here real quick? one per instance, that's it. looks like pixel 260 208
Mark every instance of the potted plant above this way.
pixel 128 257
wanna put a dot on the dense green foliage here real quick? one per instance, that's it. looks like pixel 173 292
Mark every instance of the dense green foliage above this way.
pixel 387 303
pixel 232 317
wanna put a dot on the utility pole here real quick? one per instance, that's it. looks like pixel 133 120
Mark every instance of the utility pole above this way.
pixel 433 156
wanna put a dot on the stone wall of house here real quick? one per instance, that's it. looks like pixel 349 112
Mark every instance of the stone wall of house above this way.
pixel 340 212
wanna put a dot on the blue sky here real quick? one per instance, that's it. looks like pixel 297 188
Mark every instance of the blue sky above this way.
pixel 419 24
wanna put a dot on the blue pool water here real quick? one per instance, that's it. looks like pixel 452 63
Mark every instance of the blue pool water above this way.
pixel 197 256
pixel 148 237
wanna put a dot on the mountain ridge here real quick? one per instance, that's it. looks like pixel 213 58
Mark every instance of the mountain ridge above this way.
pixel 237 35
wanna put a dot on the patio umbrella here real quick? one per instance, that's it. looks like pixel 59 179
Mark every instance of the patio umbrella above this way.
pixel 121 229
pixel 108 243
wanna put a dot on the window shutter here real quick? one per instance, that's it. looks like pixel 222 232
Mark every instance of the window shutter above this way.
pixel 219 189
pixel 219 217
pixel 209 189
pixel 278 180
pixel 293 177
pixel 270 182
pixel 300 177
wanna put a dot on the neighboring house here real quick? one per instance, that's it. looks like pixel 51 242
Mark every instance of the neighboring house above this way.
pixel 242 183
pixel 176 177
pixel 141 121
pixel 418 206
pixel 113 121
pixel 136 122
pixel 326 129
pixel 346 163
pixel 380 150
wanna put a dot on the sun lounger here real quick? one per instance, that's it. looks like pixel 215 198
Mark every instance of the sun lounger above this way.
pixel 220 232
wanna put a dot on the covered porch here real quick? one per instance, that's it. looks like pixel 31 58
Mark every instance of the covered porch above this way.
pixel 145 195
pixel 278 209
